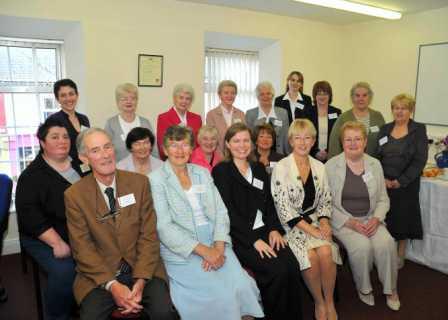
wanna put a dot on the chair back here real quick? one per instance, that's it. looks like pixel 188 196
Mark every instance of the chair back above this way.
pixel 5 203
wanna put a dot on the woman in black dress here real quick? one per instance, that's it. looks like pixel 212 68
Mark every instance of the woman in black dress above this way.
pixel 254 226
pixel 403 151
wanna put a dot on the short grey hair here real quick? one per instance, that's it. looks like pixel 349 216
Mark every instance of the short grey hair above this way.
pixel 80 140
pixel 124 88
pixel 264 84
pixel 183 87
pixel 178 133
pixel 363 85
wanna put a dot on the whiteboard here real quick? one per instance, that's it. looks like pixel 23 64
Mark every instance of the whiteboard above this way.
pixel 432 84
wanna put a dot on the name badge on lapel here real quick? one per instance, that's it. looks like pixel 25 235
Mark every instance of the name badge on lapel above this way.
pixel 278 123
pixel 300 106
pixel 84 168
pixel 374 129
pixel 367 177
pixel 257 184
pixel 332 116
pixel 126 200
pixel 198 188
pixel 272 164
pixel 383 140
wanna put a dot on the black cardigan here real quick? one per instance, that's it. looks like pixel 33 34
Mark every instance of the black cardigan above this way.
pixel 242 200
pixel 416 154
pixel 40 199
pixel 279 102
pixel 314 117
pixel 73 134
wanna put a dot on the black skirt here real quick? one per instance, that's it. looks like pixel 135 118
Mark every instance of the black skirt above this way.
pixel 404 219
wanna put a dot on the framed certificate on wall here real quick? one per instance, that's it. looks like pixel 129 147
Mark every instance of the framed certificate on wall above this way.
pixel 150 70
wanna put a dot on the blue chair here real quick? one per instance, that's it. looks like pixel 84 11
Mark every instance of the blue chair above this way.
pixel 5 203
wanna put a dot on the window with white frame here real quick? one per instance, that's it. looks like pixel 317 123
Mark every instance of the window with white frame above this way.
pixel 28 69
pixel 239 66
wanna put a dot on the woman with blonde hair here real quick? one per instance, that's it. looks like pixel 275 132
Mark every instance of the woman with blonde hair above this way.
pixel 226 114
pixel 206 154
pixel 360 205
pixel 303 201
pixel 402 149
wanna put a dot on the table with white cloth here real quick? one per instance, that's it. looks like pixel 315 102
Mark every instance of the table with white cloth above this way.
pixel 432 251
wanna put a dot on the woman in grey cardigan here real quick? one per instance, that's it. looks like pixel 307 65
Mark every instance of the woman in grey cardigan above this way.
pixel 360 204
pixel 118 127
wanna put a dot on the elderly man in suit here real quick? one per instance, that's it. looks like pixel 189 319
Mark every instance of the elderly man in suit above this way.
pixel 267 113
pixel 112 229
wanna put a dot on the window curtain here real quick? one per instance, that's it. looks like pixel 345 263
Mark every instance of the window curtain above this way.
pixel 239 66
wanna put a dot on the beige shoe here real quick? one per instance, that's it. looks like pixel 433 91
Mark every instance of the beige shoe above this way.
pixel 393 304
pixel 368 299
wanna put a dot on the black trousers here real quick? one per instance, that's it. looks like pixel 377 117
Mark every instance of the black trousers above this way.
pixel 156 302
pixel 279 281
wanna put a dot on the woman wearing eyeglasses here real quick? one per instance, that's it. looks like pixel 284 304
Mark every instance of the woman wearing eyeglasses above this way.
pixel 118 127
pixel 360 205
pixel 193 227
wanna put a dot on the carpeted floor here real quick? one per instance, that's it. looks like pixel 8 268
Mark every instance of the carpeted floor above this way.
pixel 423 294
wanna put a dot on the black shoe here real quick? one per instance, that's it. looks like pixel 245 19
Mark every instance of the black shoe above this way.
pixel 3 294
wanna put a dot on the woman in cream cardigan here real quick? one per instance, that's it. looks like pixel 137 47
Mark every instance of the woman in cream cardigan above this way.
pixel 303 202
pixel 360 204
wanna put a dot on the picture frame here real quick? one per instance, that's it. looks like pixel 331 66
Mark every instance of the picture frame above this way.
pixel 150 70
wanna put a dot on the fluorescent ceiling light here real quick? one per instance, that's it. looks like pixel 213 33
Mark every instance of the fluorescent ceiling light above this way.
pixel 355 7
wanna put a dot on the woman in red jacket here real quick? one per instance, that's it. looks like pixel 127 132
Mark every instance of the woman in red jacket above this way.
pixel 178 114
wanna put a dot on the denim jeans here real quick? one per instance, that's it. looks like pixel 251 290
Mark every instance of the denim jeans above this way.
pixel 59 299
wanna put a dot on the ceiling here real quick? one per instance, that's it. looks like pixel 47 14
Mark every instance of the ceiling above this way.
pixel 327 15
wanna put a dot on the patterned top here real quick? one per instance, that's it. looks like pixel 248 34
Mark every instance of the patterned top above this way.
pixel 288 194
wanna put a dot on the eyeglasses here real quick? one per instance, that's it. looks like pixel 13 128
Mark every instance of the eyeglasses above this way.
pixel 354 140
pixel 126 99
pixel 179 146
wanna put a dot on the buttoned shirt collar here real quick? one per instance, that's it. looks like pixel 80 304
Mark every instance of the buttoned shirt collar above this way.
pixel 103 189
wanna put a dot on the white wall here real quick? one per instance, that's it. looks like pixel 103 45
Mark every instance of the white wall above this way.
pixel 112 33
pixel 385 53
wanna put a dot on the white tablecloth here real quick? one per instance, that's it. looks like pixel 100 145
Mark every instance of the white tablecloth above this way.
pixel 432 251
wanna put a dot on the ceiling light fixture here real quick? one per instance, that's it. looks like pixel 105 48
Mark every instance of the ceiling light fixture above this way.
pixel 355 7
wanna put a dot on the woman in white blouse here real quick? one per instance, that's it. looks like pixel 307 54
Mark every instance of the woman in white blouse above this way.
pixel 303 201
pixel 118 127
